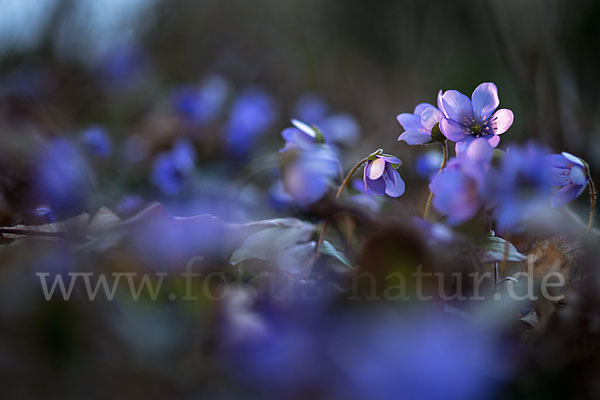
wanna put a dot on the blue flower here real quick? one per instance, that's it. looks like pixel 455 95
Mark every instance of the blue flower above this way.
pixel 428 163
pixel 467 119
pixel 571 174
pixel 171 169
pixel 97 142
pixel 201 105
pixel 419 124
pixel 459 190
pixel 521 188
pixel 62 178
pixel 252 114
pixel 340 129
pixel 308 178
pixel 300 136
pixel 311 108
pixel 380 176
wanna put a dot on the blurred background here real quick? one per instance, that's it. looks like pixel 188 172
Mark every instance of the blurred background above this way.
pixel 119 103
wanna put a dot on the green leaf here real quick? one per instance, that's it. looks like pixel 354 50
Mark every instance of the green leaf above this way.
pixel 492 249
pixel 327 248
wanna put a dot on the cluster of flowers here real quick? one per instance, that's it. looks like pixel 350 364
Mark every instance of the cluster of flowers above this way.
pixel 509 185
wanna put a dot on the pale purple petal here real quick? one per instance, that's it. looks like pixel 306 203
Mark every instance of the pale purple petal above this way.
pixel 578 175
pixel 493 140
pixel 409 122
pixel 558 161
pixel 453 130
pixel 377 186
pixel 414 137
pixel 480 150
pixel 573 159
pixel 458 107
pixel 429 117
pixel 463 144
pixel 565 195
pixel 304 128
pixel 421 107
pixel 485 100
pixel 391 159
pixel 376 169
pixel 394 185
pixel 501 121
pixel 440 103
pixel 560 176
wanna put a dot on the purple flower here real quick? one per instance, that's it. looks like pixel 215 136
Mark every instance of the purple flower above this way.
pixel 311 108
pixel 44 215
pixel 380 176
pixel 465 120
pixel 300 136
pixel 201 105
pixel 458 191
pixel 310 175
pixel 428 163
pixel 170 169
pixel 340 128
pixel 252 114
pixel 571 174
pixel 521 187
pixel 419 124
pixel 62 178
pixel 96 141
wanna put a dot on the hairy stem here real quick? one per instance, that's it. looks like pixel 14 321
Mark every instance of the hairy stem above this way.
pixel 337 196
pixel 592 188
pixel 430 197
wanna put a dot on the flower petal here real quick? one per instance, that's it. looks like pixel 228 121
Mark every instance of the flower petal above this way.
pixel 558 161
pixel 464 144
pixel 391 159
pixel 453 130
pixel 414 137
pixel 409 122
pixel 565 195
pixel 376 169
pixel 493 140
pixel 377 186
pixel 304 128
pixel 394 185
pixel 573 159
pixel 501 121
pixel 429 117
pixel 485 100
pixel 458 107
pixel 480 150
pixel 579 175
pixel 420 108
pixel 440 103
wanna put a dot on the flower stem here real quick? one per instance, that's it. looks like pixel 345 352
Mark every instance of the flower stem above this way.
pixel 430 197
pixel 339 193
pixel 592 188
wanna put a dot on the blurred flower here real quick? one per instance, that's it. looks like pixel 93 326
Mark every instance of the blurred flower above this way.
pixel 311 108
pixel 365 197
pixel 44 215
pixel 123 68
pixel 96 141
pixel 428 163
pixel 434 232
pixel 170 169
pixel 300 136
pixel 467 119
pixel 129 205
pixel 571 174
pixel 427 356
pixel 201 105
pixel 458 191
pixel 279 199
pixel 310 175
pixel 419 124
pixel 381 177
pixel 521 187
pixel 252 114
pixel 62 178
pixel 340 128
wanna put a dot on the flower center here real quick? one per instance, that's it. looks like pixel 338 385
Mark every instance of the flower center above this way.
pixel 476 129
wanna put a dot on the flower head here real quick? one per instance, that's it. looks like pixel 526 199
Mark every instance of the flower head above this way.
pixel 380 176
pixel 467 119
pixel 300 136
pixel 419 124
pixel 571 174
pixel 458 191
pixel 96 141
pixel 428 163
pixel 170 169
pixel 201 105
pixel 521 187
